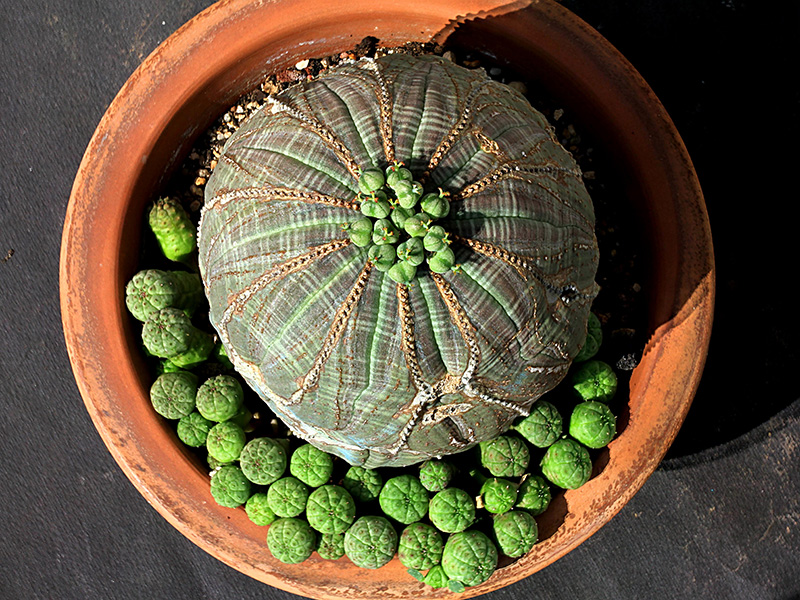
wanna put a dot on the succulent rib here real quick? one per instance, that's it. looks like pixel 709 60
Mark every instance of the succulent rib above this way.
pixel 465 327
pixel 340 320
pixel 457 130
pixel 323 132
pixel 385 107
pixel 510 170
pixel 293 265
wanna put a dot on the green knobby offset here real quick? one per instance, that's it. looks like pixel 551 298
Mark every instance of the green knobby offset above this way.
pixel 370 542
pixel 193 429
pixel 542 426
pixel 404 499
pixel 498 495
pixel 152 289
pixel 173 394
pixel 594 380
pixel 220 398
pixel 229 486
pixel 311 465
pixel 420 547
pixel 263 460
pixel 173 228
pixel 225 441
pixel 533 495
pixel 593 424
pixel 169 333
pixel 258 510
pixel 594 339
pixel 363 484
pixel 452 510
pixel 330 546
pixel 505 456
pixel 288 496
pixel 435 475
pixel 330 509
pixel 469 557
pixel 567 464
pixel 516 532
pixel 291 540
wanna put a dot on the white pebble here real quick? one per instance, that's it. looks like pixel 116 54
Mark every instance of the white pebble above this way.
pixel 303 64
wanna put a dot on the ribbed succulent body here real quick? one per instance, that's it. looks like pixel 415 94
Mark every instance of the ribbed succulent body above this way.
pixel 378 371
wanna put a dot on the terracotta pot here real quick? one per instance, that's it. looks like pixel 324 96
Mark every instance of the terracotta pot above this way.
pixel 200 71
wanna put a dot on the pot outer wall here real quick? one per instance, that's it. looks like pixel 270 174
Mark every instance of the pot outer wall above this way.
pixel 200 71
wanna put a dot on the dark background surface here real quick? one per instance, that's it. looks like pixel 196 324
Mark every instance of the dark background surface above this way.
pixel 720 518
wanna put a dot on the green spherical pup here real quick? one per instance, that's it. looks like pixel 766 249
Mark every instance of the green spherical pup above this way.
pixel 370 542
pixel 330 509
pixel 533 495
pixel 151 290
pixel 229 487
pixel 593 424
pixel 505 456
pixel 436 577
pixel 220 398
pixel 173 228
pixel 363 484
pixel 290 540
pixel 404 499
pixel 225 441
pixel 452 510
pixel 469 557
pixel 567 464
pixel 258 510
pixel 594 380
pixel 287 497
pixel 498 495
pixel 420 547
pixel 193 429
pixel 516 532
pixel 263 460
pixel 173 394
pixel 169 333
pixel 311 465
pixel 542 426
pixel 435 475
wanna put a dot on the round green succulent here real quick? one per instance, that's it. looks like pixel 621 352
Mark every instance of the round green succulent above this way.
pixel 193 429
pixel 173 394
pixel 505 456
pixel 220 398
pixel 173 228
pixel 593 424
pixel 594 380
pixel 543 426
pixel 567 464
pixel 370 542
pixel 452 510
pixel 311 465
pixel 420 547
pixel 330 546
pixel 404 499
pixel 594 339
pixel 516 532
pixel 435 475
pixel 288 496
pixel 258 510
pixel 263 460
pixel 330 509
pixel 230 487
pixel 152 289
pixel 363 484
pixel 533 495
pixel 225 441
pixel 498 495
pixel 290 540
pixel 388 359
pixel 469 557
pixel 169 333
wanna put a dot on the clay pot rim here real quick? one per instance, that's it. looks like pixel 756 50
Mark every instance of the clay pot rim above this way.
pixel 108 192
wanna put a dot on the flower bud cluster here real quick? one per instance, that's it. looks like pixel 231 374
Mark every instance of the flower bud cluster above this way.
pixel 399 224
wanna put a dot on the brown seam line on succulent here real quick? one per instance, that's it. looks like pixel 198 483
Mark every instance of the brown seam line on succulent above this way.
pixel 340 319
pixel 476 391
pixel 462 322
pixel 385 105
pixel 279 193
pixel 298 263
pixel 489 145
pixel 325 134
pixel 425 394
pixel 460 126
pixel 235 164
pixel 509 171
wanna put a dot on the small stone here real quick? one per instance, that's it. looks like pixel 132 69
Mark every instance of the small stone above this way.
pixel 302 65
pixel 589 175
pixel 472 64
pixel 495 71
pixel 449 55
pixel 558 113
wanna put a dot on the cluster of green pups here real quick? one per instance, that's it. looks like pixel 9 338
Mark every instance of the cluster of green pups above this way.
pixel 399 224
pixel 449 535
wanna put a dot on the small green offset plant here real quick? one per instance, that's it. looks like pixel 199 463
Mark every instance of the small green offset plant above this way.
pixel 173 394
pixel 593 424
pixel 435 475
pixel 516 532
pixel 258 510
pixel 193 429
pixel 567 464
pixel 533 495
pixel 220 398
pixel 363 484
pixel 330 546
pixel 498 495
pixel 370 542
pixel 225 441
pixel 420 547
pixel 505 456
pixel 594 339
pixel 452 510
pixel 404 499
pixel 169 333
pixel 288 496
pixel 469 557
pixel 291 540
pixel 311 465
pixel 330 509
pixel 594 380
pixel 174 230
pixel 542 426
pixel 151 290
pixel 230 487
pixel 263 460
